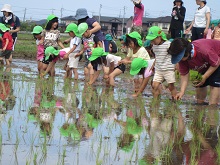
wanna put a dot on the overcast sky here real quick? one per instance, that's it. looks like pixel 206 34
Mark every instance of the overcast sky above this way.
pixel 40 9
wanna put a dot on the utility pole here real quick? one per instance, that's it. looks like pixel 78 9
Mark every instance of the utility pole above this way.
pixel 100 12
pixel 52 10
pixel 120 14
pixel 24 14
pixel 123 21
pixel 61 12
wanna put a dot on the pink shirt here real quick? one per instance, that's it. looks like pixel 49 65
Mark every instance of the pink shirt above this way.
pixel 138 15
pixel 207 54
pixel 62 54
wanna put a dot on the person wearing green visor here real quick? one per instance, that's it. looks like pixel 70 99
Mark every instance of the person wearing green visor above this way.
pixel 135 50
pixel 75 51
pixel 7 45
pixel 52 53
pixel 51 37
pixel 142 67
pixel 37 30
pixel 164 69
pixel 100 58
pixel 89 41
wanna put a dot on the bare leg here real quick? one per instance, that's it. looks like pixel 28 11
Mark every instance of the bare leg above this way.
pixel 86 73
pixel 214 97
pixel 112 76
pixel 75 73
pixel 201 94
pixel 156 91
pixel 172 89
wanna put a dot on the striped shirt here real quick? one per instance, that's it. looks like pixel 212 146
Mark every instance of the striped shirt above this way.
pixel 163 59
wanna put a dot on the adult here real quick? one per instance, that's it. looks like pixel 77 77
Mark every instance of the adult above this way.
pixel 11 21
pixel 203 56
pixel 138 16
pixel 94 27
pixel 178 16
pixel 200 24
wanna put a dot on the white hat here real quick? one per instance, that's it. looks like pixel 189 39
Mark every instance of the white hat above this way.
pixel 6 8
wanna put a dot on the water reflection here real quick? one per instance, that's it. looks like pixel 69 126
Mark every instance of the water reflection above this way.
pixel 52 121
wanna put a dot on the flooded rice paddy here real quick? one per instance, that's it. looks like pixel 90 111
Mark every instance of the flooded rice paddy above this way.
pixel 52 121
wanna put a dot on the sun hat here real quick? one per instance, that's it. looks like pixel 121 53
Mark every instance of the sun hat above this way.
pixel 108 37
pixel 50 17
pixel 177 57
pixel 72 27
pixel 51 50
pixel 82 28
pixel 6 8
pixel 137 64
pixel 137 36
pixel 37 30
pixel 96 53
pixel 3 27
pixel 81 13
pixel 147 43
pixel 155 32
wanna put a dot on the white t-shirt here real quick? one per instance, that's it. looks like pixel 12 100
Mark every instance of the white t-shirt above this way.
pixel 141 53
pixel 163 59
pixel 112 58
pixel 200 17
pixel 75 41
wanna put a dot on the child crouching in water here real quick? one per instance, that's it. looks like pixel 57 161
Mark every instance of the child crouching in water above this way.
pixel 100 58
pixel 56 55
pixel 142 67
pixel 7 44
pixel 164 69
pixel 74 53
pixel 135 50
pixel 40 47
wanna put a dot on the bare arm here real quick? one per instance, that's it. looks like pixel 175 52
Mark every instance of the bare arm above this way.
pixel 189 28
pixel 96 27
pixel 184 83
pixel 60 44
pixel 143 86
pixel 208 17
pixel 6 44
pixel 15 31
pixel 126 60
pixel 51 64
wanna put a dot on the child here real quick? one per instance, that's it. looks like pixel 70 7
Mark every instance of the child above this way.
pixel 135 50
pixel 74 53
pixel 123 46
pixel 90 41
pixel 40 47
pixel 142 67
pixel 7 43
pixel 54 54
pixel 112 45
pixel 164 69
pixel 51 37
pixel 100 58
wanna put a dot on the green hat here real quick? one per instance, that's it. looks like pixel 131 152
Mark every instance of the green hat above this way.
pixel 147 43
pixel 72 131
pixel 91 121
pixel 137 36
pixel 37 30
pixel 72 27
pixel 137 64
pixel 3 27
pixel 108 37
pixel 128 147
pixel 51 50
pixel 82 28
pixel 155 32
pixel 97 52
pixel 50 17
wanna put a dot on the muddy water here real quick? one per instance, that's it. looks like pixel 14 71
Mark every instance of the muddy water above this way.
pixel 56 122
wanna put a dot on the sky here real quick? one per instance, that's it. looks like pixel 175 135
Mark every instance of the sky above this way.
pixel 40 9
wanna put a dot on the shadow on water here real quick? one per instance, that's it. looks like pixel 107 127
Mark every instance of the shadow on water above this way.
pixel 51 121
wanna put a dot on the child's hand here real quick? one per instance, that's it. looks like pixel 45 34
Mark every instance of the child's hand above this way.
pixel 106 77
pixel 77 55
pixel 66 56
pixel 42 75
